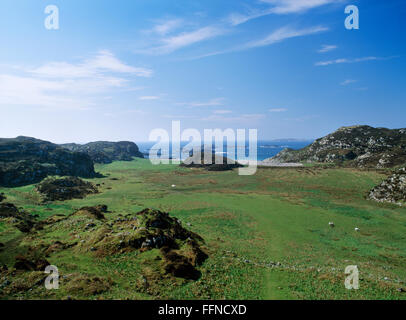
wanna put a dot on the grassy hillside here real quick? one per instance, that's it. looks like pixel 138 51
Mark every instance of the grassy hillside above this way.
pixel 267 235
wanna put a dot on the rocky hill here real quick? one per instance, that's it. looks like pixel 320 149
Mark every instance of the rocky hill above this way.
pixel 25 160
pixel 360 146
pixel 392 190
pixel 217 163
pixel 107 152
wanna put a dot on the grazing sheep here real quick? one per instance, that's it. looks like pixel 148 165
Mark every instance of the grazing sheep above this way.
pixel 357 229
pixel 174 185
pixel 331 224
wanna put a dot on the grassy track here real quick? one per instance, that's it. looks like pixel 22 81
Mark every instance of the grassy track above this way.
pixel 267 235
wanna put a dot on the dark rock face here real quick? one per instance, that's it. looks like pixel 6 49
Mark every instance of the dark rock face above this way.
pixel 218 163
pixel 65 189
pixel 26 160
pixel 360 146
pixel 107 152
pixel 392 190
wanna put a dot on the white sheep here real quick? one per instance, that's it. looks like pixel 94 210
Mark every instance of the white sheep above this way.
pixel 331 224
pixel 174 185
pixel 357 229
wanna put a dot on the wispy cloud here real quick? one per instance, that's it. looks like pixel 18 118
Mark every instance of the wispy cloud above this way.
pixel 165 27
pixel 285 33
pixel 278 7
pixel 347 82
pixel 222 111
pixel 327 48
pixel 29 91
pixel 278 35
pixel 236 19
pixel 296 6
pixel 345 60
pixel 103 62
pixel 65 85
pixel 146 98
pixel 172 43
pixel 210 103
pixel 276 110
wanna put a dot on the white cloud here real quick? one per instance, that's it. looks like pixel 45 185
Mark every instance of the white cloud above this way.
pixel 327 48
pixel 149 98
pixel 167 26
pixel 278 7
pixel 222 111
pixel 345 60
pixel 185 39
pixel 285 33
pixel 104 61
pixel 17 90
pixel 347 82
pixel 278 35
pixel 236 19
pixel 295 6
pixel 278 110
pixel 66 85
pixel 210 103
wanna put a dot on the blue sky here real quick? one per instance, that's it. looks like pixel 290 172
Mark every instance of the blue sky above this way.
pixel 115 70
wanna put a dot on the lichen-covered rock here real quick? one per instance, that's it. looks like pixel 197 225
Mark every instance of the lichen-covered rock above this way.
pixel 25 160
pixel 96 212
pixel 360 146
pixel 107 152
pixel 146 230
pixel 22 220
pixel 392 190
pixel 65 189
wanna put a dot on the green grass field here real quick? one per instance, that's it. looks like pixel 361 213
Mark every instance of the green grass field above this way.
pixel 267 235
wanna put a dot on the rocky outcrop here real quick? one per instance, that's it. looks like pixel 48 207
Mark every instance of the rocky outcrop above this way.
pixel 107 152
pixel 392 190
pixel 210 162
pixel 25 160
pixel 360 146
pixel 22 219
pixel 149 229
pixel 65 189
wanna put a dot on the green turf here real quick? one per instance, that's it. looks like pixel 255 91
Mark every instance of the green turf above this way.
pixel 267 235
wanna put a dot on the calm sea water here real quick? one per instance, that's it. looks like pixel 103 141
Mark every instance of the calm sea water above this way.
pixel 265 149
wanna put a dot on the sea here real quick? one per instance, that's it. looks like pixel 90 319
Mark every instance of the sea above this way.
pixel 265 149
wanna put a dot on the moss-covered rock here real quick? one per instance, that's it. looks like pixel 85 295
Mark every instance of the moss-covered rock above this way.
pixel 146 230
pixel 22 220
pixel 67 188
pixel 210 162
